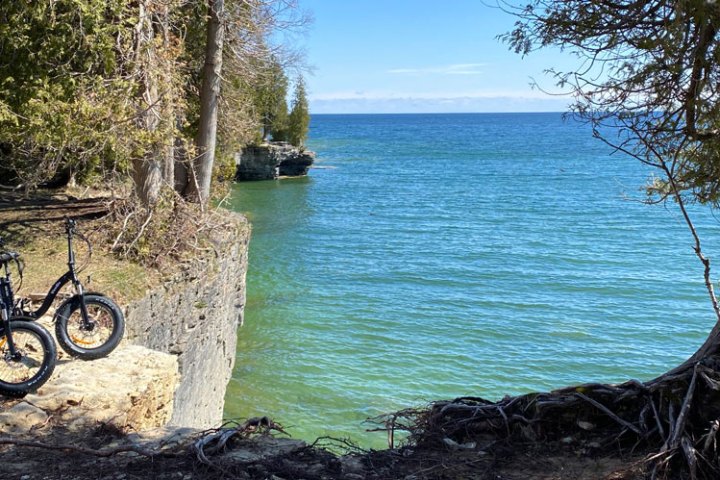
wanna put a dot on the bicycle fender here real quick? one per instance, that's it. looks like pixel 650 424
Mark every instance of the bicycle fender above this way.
pixel 66 302
pixel 70 301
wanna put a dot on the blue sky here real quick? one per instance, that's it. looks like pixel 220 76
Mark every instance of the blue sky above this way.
pixel 405 56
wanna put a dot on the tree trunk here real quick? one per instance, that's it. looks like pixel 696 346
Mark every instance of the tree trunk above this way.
pixel 148 170
pixel 200 174
pixel 168 106
pixel 180 165
pixel 147 176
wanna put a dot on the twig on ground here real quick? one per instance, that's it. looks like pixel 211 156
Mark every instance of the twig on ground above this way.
pixel 609 413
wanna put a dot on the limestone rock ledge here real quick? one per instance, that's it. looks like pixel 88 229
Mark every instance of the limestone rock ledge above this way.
pixel 173 365
pixel 195 317
pixel 271 161
pixel 130 389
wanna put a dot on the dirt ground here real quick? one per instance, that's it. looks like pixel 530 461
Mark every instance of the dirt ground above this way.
pixel 103 454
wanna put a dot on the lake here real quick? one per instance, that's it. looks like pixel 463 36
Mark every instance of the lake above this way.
pixel 434 256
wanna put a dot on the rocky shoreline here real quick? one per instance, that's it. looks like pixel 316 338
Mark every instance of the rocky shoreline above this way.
pixel 152 410
pixel 271 161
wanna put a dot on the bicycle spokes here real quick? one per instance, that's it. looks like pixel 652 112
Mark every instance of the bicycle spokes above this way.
pixel 95 331
pixel 27 360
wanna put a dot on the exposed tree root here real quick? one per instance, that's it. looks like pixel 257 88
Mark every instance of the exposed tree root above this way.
pixel 214 441
pixel 248 451
pixel 676 416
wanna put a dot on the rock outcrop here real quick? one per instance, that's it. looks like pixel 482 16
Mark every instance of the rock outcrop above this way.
pixel 271 161
pixel 195 317
pixel 173 365
pixel 84 395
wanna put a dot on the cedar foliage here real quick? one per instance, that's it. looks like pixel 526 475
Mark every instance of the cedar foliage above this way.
pixel 64 84
pixel 105 90
pixel 299 118
pixel 270 101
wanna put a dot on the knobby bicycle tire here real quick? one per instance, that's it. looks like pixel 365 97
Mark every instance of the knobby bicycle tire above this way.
pixel 97 342
pixel 36 361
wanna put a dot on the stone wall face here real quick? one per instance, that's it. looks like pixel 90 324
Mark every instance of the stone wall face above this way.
pixel 270 161
pixel 196 317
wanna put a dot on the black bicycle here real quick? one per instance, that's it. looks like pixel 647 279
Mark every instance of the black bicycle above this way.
pixel 87 325
pixel 27 351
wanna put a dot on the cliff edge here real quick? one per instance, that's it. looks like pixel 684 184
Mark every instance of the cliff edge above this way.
pixel 195 317
pixel 173 365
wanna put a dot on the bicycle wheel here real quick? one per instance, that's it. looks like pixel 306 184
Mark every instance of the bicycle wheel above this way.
pixel 99 337
pixel 33 362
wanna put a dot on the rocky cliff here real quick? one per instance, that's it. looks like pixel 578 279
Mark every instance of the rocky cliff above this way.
pixel 195 317
pixel 173 365
pixel 272 160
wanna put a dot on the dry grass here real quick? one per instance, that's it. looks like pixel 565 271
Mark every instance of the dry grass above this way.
pixel 46 258
pixel 133 250
pixel 34 227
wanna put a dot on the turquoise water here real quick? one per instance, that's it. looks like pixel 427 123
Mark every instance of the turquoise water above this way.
pixel 434 256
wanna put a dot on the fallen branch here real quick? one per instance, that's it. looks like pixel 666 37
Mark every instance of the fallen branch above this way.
pixel 684 409
pixel 609 413
pixel 690 456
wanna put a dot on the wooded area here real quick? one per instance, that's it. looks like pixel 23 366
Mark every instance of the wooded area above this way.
pixel 161 91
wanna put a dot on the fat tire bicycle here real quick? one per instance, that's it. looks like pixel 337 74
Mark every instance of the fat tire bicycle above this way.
pixel 27 351
pixel 88 325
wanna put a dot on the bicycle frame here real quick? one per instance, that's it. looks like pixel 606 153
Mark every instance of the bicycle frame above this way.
pixel 69 276
pixel 6 296
pixel 51 296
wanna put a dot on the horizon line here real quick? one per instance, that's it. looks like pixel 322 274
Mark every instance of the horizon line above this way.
pixel 441 113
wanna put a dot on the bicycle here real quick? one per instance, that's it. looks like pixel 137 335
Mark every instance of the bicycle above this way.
pixel 87 325
pixel 27 351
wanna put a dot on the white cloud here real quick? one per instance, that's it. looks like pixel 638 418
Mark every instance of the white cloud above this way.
pixel 439 104
pixel 456 69
pixel 388 95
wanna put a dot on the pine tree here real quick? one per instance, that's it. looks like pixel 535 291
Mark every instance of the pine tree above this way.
pixel 299 118
pixel 280 119
pixel 270 99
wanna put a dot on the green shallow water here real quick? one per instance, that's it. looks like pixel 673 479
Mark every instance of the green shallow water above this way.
pixel 434 256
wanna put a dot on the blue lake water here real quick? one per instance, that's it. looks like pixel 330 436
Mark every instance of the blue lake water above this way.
pixel 434 256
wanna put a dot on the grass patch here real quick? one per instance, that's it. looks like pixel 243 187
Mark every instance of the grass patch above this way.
pixel 44 254
pixel 179 238
pixel 34 227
